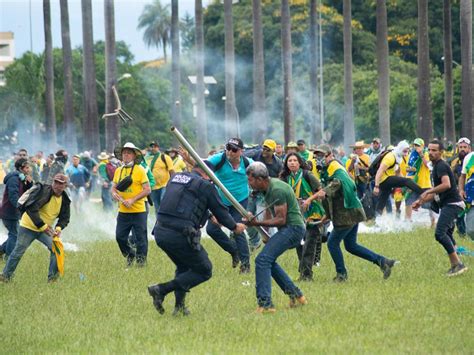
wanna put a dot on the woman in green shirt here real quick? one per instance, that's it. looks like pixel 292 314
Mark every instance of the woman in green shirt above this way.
pixel 305 184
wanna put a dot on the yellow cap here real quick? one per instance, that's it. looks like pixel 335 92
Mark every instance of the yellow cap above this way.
pixel 270 143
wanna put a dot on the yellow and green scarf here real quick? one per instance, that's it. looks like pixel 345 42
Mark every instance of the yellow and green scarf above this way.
pixel 336 171
pixel 303 190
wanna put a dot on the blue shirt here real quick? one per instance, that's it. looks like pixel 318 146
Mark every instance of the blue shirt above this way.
pixel 234 180
pixel 78 176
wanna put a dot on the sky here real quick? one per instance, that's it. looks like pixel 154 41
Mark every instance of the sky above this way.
pixel 14 17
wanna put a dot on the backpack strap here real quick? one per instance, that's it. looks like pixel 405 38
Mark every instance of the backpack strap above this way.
pixel 153 161
pixel 163 159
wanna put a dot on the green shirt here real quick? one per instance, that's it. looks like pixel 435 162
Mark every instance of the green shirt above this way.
pixel 280 193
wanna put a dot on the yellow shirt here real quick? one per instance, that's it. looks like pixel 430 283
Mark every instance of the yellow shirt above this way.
pixel 139 178
pixel 364 158
pixel 48 213
pixel 388 160
pixel 179 165
pixel 403 166
pixel 160 171
pixel 424 180
pixel 314 170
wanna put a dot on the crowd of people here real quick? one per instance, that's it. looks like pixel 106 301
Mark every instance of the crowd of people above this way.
pixel 294 196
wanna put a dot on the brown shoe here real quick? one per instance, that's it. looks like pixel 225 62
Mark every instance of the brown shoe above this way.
pixel 298 301
pixel 265 310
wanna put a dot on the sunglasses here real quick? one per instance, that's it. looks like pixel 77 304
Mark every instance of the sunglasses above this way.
pixel 230 148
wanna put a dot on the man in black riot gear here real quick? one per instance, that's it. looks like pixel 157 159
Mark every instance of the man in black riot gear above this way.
pixel 182 214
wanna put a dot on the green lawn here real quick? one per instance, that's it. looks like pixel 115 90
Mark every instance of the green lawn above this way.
pixel 108 309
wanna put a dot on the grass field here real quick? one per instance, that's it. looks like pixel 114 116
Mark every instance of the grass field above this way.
pixel 99 306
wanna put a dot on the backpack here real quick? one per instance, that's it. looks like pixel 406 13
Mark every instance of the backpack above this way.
pixel 221 163
pixel 374 167
pixel 110 170
pixel 29 197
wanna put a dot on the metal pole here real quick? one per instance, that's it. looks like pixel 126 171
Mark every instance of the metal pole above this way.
pixel 214 178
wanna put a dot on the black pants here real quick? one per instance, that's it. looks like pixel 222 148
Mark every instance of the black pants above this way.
pixel 193 267
pixel 136 222
pixel 310 252
pixel 389 184
pixel 445 227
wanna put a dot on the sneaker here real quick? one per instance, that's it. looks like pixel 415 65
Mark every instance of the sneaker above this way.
pixel 181 311
pixel 130 260
pixel 386 267
pixel 457 270
pixel 298 301
pixel 340 278
pixel 4 279
pixel 265 310
pixel 305 278
pixel 244 269
pixel 235 260
pixel 158 298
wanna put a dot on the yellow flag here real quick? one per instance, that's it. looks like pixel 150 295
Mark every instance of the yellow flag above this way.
pixel 58 250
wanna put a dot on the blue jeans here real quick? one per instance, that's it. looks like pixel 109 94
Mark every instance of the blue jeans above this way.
pixel 156 197
pixel 12 226
pixel 240 244
pixel 125 223
pixel 349 235
pixel 107 198
pixel 266 266
pixel 25 238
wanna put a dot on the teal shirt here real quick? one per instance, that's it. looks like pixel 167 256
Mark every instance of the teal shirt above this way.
pixel 234 180
pixel 280 193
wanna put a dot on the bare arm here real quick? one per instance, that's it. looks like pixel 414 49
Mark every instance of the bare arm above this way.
pixel 462 184
pixel 277 221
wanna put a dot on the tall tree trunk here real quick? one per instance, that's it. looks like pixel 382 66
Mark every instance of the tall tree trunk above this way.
pixel 91 134
pixel 466 63
pixel 200 104
pixel 449 127
pixel 383 72
pixel 165 44
pixel 231 123
pixel 70 140
pixel 425 123
pixel 112 124
pixel 49 79
pixel 175 66
pixel 315 123
pixel 349 129
pixel 289 128
pixel 259 107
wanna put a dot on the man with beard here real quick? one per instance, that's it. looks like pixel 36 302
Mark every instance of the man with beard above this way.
pixel 447 202
pixel 464 148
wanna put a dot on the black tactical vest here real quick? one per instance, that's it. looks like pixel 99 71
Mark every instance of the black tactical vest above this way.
pixel 184 200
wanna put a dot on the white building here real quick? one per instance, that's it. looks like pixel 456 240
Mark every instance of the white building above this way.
pixel 7 53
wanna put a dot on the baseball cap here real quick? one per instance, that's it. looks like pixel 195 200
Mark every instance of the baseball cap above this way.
pixel 154 143
pixel 323 148
pixel 300 142
pixel 61 178
pixel 464 140
pixel 270 143
pixel 235 143
pixel 377 139
pixel 419 142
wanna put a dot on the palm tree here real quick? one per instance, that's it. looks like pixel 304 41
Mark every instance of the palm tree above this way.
pixel 231 124
pixel 349 130
pixel 315 124
pixel 49 77
pixel 466 64
pixel 425 123
pixel 289 128
pixel 70 141
pixel 155 19
pixel 200 105
pixel 383 72
pixel 112 125
pixel 258 73
pixel 449 128
pixel 175 66
pixel 90 124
